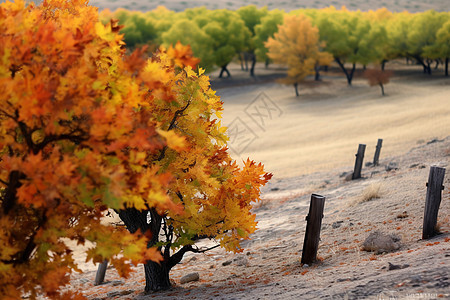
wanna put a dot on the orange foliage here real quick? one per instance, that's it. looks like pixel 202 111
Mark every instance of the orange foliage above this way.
pixel 84 129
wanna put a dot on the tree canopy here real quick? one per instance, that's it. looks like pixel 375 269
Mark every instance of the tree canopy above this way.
pixel 296 45
pixel 84 129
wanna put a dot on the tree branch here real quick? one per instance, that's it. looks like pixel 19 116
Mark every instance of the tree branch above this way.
pixel 177 114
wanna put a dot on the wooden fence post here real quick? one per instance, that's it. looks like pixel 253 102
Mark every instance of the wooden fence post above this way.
pixel 101 271
pixel 312 234
pixel 433 200
pixel 376 157
pixel 359 161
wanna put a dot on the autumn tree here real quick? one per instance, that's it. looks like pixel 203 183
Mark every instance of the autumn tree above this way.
pixel 296 45
pixel 85 129
pixel 378 77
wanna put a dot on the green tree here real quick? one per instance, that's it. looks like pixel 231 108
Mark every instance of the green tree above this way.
pixel 349 37
pixel 265 30
pixel 422 37
pixel 228 34
pixel 252 16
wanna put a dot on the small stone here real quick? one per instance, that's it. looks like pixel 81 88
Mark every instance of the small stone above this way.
pixel 275 189
pixel 379 242
pixel 391 167
pixel 189 278
pixel 116 282
pixel 126 292
pixel 211 266
pixel 193 259
pixel 402 215
pixel 226 263
pixel 393 267
pixel 337 224
pixel 241 261
pixel 349 177
pixel 113 294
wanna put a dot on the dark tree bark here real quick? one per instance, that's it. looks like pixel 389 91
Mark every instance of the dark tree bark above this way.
pixel 317 72
pixel 349 75
pixel 224 70
pixel 446 66
pixel 426 66
pixel 296 89
pixel 267 63
pixel 383 64
pixel 241 58
pixel 156 275
pixel 252 68
pixel 382 89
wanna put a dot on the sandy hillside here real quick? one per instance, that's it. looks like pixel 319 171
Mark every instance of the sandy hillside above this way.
pixel 310 148
pixel 322 128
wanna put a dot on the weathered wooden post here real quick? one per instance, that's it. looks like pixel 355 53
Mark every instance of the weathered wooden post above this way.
pixel 101 271
pixel 376 157
pixel 312 234
pixel 433 200
pixel 359 161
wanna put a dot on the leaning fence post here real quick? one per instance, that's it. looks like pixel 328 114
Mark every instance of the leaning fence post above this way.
pixel 359 161
pixel 312 234
pixel 433 200
pixel 376 157
pixel 101 271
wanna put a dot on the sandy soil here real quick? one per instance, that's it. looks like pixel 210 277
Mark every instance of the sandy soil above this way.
pixel 321 129
pixel 288 5
pixel 310 148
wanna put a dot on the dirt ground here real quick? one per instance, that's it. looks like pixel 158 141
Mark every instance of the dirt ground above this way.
pixel 309 143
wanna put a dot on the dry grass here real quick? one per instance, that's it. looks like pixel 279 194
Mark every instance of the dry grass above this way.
pixel 372 191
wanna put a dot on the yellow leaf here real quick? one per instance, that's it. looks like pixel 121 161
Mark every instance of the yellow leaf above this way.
pixel 173 140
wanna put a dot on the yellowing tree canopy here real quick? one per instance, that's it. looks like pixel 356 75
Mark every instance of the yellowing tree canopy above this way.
pixel 296 45
pixel 85 128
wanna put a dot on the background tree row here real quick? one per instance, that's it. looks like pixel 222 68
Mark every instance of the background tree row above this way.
pixel 351 37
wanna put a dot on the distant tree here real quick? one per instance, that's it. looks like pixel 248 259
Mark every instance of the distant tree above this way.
pixel 350 38
pixel 440 49
pixel 422 36
pixel 189 33
pixel 378 77
pixel 228 34
pixel 265 30
pixel 251 16
pixel 296 45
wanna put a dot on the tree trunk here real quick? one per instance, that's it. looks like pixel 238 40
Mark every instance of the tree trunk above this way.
pixel 224 70
pixel 246 60
pixel 156 276
pixel 347 74
pixel 252 68
pixel 267 63
pixel 383 64
pixel 242 60
pixel 382 89
pixel 296 89
pixel 446 66
pixel 317 75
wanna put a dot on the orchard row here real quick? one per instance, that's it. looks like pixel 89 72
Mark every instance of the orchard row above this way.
pixel 217 36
